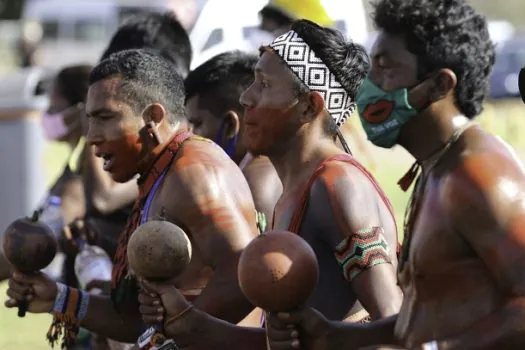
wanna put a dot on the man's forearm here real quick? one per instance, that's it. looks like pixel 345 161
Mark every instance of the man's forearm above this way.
pixel 103 319
pixel 206 332
pixel 379 332
pixel 223 299
pixel 500 330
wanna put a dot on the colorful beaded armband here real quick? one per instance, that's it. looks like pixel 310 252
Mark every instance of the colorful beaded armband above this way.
pixel 361 251
pixel 69 309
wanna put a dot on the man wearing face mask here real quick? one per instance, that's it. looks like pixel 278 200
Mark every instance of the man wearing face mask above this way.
pixel 212 105
pixel 63 122
pixel 462 267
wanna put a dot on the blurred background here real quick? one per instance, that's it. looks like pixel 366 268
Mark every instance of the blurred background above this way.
pixel 38 37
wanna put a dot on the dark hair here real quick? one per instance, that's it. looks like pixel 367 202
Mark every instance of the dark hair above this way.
pixel 348 61
pixel 157 31
pixel 72 83
pixel 272 13
pixel 444 34
pixel 146 78
pixel 222 79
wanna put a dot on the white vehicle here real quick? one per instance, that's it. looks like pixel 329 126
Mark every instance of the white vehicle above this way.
pixel 214 33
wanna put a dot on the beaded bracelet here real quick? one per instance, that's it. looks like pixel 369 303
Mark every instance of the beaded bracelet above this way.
pixel 69 309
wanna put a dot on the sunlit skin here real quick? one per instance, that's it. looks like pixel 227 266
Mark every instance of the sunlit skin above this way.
pixel 464 282
pixel 259 172
pixel 204 192
pixel 335 186
pixel 341 201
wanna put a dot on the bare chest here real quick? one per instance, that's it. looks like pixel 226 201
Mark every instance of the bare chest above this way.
pixel 446 286
pixel 432 242
pixel 163 204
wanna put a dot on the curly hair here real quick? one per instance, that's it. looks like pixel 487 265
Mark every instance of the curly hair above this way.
pixel 444 34
pixel 146 78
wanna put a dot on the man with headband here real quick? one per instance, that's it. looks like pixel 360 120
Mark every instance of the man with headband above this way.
pixel 304 87
pixel 304 90
pixel 462 268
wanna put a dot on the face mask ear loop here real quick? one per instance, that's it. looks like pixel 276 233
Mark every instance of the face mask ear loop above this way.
pixel 341 138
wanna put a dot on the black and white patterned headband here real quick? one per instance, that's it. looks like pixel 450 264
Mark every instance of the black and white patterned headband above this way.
pixel 315 74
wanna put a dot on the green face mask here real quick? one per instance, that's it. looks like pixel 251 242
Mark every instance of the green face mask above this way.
pixel 383 113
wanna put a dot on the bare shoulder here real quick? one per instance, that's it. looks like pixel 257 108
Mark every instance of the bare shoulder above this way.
pixel 344 178
pixel 345 193
pixel 201 161
pixel 487 178
pixel 259 168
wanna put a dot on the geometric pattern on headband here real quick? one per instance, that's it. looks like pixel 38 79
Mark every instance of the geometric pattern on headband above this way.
pixel 303 61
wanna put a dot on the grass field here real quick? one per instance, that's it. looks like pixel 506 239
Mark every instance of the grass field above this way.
pixel 505 118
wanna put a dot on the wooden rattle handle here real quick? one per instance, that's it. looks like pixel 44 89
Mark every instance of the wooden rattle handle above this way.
pixel 22 308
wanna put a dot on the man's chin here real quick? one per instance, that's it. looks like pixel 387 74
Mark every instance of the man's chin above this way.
pixel 121 178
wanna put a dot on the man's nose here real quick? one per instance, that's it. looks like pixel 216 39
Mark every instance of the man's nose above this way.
pixel 245 99
pixel 94 135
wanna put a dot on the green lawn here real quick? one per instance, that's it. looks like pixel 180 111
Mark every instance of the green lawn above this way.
pixel 506 118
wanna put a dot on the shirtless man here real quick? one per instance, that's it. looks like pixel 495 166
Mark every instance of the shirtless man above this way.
pixel 163 33
pixel 212 105
pixel 463 262
pixel 109 203
pixel 328 198
pixel 137 123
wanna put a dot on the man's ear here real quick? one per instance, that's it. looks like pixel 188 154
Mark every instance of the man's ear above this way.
pixel 155 113
pixel 232 124
pixel 444 84
pixel 314 105
pixel 153 116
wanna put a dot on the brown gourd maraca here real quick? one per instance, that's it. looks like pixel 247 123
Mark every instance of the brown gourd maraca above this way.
pixel 29 246
pixel 158 250
pixel 278 271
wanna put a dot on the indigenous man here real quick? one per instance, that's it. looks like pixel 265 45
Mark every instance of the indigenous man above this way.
pixel 463 263
pixel 212 104
pixel 137 124
pixel 109 203
pixel 276 18
pixel 304 87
